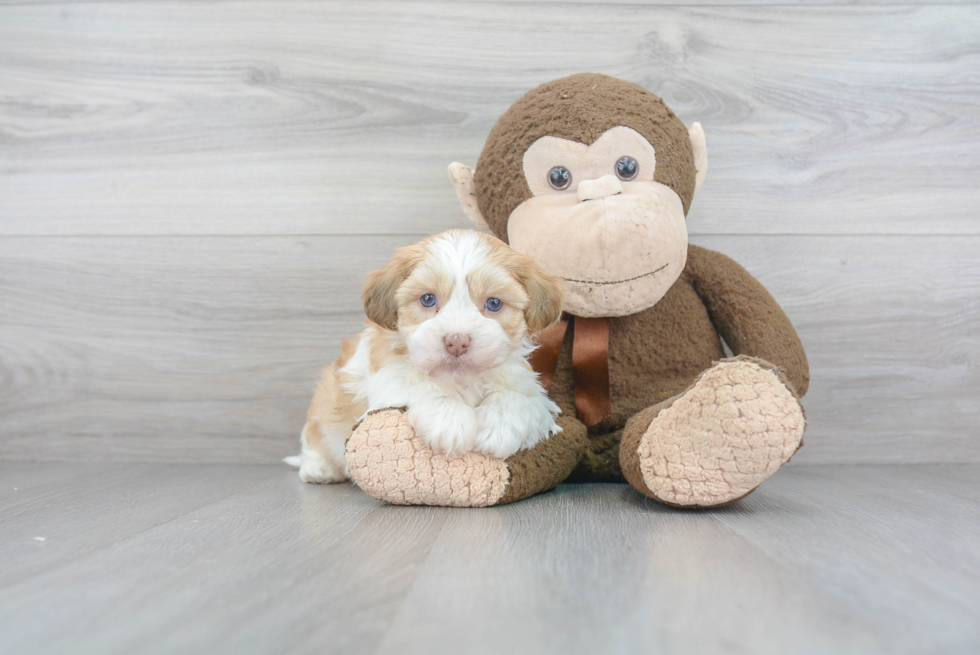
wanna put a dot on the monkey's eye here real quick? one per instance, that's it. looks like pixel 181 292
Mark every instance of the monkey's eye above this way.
pixel 494 304
pixel 627 168
pixel 428 300
pixel 559 178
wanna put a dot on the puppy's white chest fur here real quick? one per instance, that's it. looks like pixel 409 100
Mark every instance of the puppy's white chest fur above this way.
pixel 500 413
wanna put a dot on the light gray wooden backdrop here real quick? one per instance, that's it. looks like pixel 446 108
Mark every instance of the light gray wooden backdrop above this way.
pixel 191 193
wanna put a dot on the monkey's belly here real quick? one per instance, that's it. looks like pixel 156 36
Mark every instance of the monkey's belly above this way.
pixel 656 354
pixel 653 355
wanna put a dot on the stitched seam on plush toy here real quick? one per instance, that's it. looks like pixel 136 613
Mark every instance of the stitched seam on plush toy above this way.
pixel 630 279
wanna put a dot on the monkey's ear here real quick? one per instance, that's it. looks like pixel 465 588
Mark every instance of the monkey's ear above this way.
pixel 700 149
pixel 461 176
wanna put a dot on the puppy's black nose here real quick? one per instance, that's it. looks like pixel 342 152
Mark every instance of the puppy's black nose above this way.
pixel 456 344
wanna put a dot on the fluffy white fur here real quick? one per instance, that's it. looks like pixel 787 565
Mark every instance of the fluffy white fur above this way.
pixel 487 400
pixel 497 410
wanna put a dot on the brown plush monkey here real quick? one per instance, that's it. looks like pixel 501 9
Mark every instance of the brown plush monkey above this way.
pixel 593 177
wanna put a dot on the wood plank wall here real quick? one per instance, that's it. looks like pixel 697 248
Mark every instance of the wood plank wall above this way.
pixel 191 193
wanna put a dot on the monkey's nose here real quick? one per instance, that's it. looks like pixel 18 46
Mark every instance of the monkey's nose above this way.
pixel 607 185
pixel 456 344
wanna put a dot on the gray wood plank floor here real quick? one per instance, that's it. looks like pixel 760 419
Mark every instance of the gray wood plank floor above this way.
pixel 246 559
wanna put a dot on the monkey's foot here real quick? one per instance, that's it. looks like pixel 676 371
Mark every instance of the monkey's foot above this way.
pixel 390 462
pixel 716 442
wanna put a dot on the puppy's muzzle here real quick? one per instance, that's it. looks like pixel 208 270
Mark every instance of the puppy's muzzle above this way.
pixel 457 344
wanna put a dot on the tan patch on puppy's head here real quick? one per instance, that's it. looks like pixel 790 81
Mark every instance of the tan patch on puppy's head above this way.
pixel 429 276
pixel 492 281
pixel 531 298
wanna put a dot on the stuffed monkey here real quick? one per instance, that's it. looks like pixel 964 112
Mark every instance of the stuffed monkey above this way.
pixel 592 177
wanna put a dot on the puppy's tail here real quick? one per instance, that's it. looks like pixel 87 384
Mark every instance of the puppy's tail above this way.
pixel 293 460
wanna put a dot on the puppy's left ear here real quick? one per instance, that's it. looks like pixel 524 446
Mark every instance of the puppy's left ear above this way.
pixel 544 298
pixel 380 293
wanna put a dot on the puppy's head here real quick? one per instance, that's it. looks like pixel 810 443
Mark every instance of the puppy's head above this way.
pixel 463 301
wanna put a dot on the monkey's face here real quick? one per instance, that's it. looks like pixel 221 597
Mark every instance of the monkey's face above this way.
pixel 591 177
pixel 597 219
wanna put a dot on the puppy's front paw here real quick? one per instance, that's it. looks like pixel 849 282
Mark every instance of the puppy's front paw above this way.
pixel 510 422
pixel 445 425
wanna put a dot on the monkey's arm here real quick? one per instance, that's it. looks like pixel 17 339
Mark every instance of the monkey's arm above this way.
pixel 746 315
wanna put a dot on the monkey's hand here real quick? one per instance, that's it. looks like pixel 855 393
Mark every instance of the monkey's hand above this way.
pixel 388 460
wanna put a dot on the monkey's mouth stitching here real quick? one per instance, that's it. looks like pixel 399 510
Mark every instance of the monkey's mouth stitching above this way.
pixel 629 279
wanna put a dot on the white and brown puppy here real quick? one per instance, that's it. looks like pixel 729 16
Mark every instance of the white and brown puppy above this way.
pixel 449 321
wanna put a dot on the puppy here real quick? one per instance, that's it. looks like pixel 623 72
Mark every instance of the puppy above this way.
pixel 449 321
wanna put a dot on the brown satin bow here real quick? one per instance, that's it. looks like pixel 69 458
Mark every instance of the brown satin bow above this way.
pixel 590 364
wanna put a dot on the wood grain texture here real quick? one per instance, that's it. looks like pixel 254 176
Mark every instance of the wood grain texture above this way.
pixel 191 193
pixel 290 568
pixel 77 514
pixel 854 559
pixel 206 348
pixel 817 561
pixel 340 118
pixel 565 3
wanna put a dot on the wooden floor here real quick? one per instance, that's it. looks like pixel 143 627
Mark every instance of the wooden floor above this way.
pixel 180 558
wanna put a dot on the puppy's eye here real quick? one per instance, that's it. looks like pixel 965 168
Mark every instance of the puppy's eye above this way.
pixel 428 300
pixel 559 178
pixel 494 304
pixel 627 168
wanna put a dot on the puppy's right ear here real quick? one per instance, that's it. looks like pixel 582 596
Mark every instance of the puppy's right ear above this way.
pixel 380 293
pixel 544 298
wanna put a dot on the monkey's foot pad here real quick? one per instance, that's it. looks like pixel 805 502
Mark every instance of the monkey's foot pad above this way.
pixel 390 462
pixel 719 440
